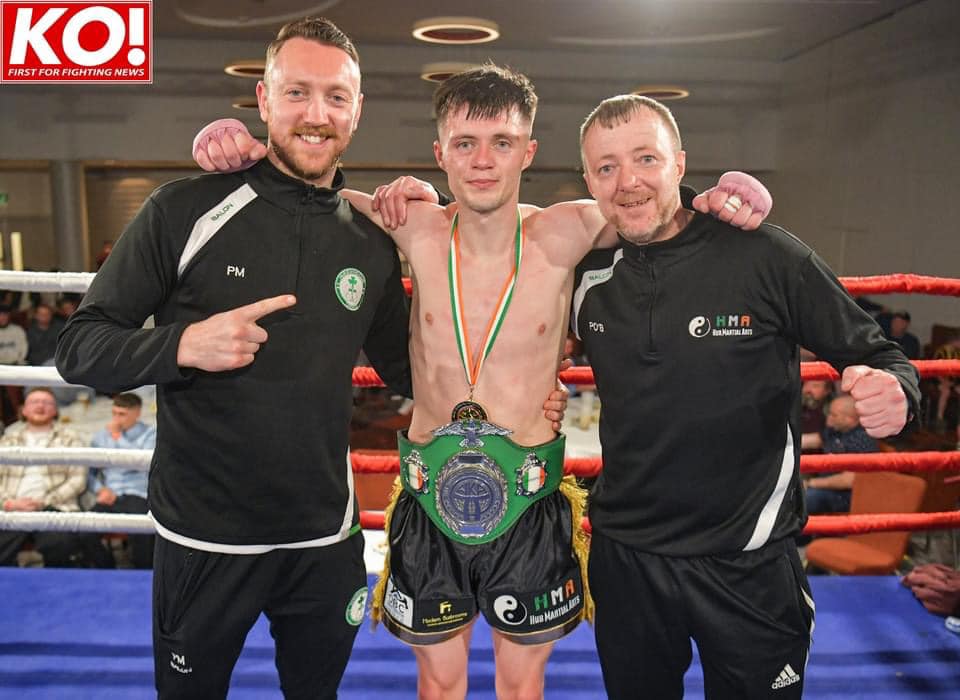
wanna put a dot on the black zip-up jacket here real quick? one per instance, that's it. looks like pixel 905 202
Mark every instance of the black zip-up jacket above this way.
pixel 694 344
pixel 258 455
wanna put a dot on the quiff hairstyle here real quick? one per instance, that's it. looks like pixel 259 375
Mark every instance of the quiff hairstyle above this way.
pixel 318 29
pixel 127 400
pixel 614 111
pixel 487 91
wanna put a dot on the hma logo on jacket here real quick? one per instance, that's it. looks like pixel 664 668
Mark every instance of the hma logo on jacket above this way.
pixel 720 325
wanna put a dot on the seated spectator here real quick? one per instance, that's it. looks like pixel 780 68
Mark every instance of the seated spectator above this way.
pixel 937 587
pixel 830 493
pixel 814 397
pixel 104 253
pixel 13 351
pixel 898 333
pixel 42 336
pixel 46 487
pixel 949 387
pixel 125 490
pixel 879 312
pixel 67 304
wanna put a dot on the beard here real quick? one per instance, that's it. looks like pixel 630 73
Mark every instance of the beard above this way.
pixel 654 230
pixel 647 234
pixel 302 171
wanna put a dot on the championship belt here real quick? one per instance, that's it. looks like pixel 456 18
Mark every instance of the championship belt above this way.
pixel 474 482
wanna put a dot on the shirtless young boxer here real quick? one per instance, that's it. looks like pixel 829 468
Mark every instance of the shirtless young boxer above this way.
pixel 483 522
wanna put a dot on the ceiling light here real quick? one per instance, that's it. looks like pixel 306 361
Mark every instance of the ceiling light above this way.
pixel 438 72
pixel 248 13
pixel 246 68
pixel 245 103
pixel 456 30
pixel 662 92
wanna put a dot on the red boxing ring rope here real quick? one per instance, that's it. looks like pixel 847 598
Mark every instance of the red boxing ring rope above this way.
pixel 879 284
pixel 367 376
pixel 816 524
pixel 902 284
pixel 809 464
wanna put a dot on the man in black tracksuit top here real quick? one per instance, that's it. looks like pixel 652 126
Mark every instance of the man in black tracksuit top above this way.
pixel 251 486
pixel 693 333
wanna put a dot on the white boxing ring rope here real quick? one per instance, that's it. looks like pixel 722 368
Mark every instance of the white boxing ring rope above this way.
pixel 46 281
pixel 20 375
pixel 87 456
pixel 138 460
pixel 85 521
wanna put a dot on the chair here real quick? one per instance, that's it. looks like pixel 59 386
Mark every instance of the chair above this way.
pixel 871 553
pixel 940 546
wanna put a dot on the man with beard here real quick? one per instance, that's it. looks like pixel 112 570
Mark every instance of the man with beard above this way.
pixel 46 487
pixel 264 286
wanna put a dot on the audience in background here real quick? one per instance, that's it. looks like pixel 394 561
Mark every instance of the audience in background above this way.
pixel 45 487
pixel 13 340
pixel 42 336
pixel 104 253
pixel 125 490
pixel 937 587
pixel 814 397
pixel 897 331
pixel 948 397
pixel 66 305
pixel 13 351
pixel 830 493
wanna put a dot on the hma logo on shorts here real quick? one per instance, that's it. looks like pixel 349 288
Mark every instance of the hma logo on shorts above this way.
pixel 76 42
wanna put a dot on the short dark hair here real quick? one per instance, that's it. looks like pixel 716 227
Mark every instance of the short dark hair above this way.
pixel 905 315
pixel 318 29
pixel 127 400
pixel 487 91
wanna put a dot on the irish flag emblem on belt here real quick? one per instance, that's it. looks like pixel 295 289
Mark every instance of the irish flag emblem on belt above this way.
pixel 416 472
pixel 531 475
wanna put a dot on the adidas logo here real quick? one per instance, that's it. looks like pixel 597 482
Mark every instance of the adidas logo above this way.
pixel 787 677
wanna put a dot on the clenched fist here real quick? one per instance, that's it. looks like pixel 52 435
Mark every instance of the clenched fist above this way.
pixel 878 398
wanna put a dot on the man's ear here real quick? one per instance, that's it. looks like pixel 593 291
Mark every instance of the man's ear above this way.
pixel 586 180
pixel 531 152
pixel 356 118
pixel 262 101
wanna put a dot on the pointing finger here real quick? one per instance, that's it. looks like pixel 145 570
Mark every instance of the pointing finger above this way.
pixel 259 309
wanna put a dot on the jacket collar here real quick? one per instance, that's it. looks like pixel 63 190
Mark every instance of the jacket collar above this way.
pixel 694 236
pixel 291 193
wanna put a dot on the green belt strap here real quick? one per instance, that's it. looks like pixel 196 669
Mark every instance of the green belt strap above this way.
pixel 508 456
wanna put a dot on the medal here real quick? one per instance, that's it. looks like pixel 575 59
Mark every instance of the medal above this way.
pixel 470 410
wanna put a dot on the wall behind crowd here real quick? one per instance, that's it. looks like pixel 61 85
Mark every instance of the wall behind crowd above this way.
pixel 868 149
pixel 856 137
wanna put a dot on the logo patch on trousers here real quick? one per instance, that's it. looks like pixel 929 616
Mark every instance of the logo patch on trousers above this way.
pixel 787 677
pixel 398 604
pixel 356 607
pixel 178 662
